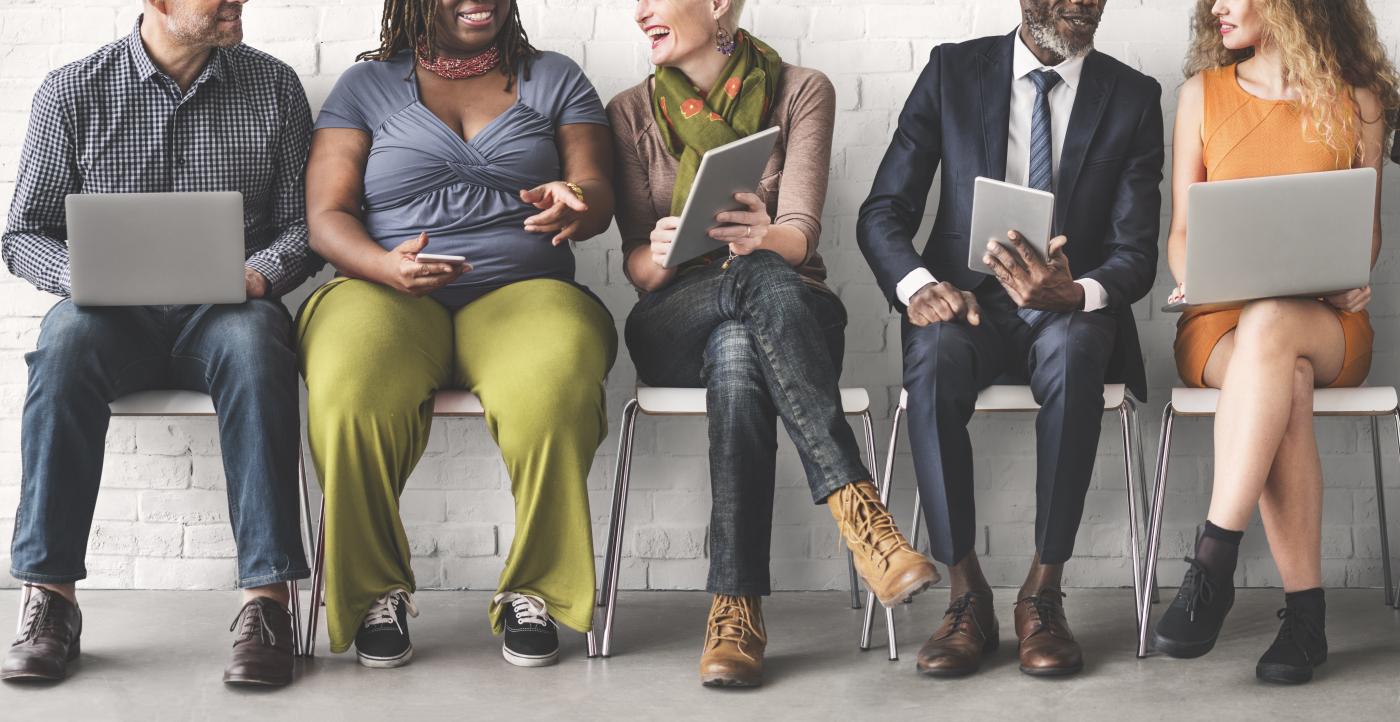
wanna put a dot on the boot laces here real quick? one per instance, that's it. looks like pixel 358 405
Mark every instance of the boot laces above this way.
pixel 1198 589
pixel 385 609
pixel 737 620
pixel 871 525
pixel 1300 629
pixel 254 625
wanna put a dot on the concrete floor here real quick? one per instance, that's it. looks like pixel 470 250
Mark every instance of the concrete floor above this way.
pixel 158 655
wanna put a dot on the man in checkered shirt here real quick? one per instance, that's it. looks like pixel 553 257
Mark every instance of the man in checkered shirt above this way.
pixel 178 105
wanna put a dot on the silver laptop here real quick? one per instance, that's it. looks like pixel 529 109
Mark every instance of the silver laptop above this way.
pixel 147 249
pixel 1303 235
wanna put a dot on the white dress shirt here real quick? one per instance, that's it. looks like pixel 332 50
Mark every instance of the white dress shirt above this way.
pixel 1018 148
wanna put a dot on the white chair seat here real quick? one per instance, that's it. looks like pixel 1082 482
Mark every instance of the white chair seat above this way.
pixel 669 401
pixel 164 403
pixel 1019 398
pixel 457 403
pixel 1361 401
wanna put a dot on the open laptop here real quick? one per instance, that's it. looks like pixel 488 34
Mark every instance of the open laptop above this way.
pixel 149 249
pixel 1305 235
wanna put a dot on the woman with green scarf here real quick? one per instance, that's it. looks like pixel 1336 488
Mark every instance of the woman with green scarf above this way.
pixel 754 322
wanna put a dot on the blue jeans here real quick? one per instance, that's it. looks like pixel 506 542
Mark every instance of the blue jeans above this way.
pixel 241 355
pixel 764 344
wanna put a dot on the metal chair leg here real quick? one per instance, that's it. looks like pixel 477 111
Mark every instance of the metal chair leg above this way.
pixel 1390 599
pixel 307 539
pixel 887 483
pixel 1144 487
pixel 868 421
pixel 294 608
pixel 318 584
pixel 617 469
pixel 621 481
pixel 28 591
pixel 1129 464
pixel 1154 534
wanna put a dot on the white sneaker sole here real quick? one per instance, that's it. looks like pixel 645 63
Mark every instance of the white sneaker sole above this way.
pixel 525 660
pixel 385 662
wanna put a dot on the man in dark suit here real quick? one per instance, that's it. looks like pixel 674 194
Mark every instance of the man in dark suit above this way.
pixel 1039 108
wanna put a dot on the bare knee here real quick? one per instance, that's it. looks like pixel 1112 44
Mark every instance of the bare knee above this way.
pixel 1268 326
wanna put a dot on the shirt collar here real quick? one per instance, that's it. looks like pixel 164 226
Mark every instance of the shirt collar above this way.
pixel 1024 61
pixel 146 69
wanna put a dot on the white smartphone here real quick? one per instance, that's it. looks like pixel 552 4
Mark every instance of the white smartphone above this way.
pixel 439 258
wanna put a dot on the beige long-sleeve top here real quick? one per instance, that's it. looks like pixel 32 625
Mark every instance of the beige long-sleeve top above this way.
pixel 793 184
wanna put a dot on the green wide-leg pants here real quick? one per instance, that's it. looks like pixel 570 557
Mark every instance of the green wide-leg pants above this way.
pixel 535 352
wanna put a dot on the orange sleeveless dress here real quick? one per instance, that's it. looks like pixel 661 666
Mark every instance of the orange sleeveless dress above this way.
pixel 1247 137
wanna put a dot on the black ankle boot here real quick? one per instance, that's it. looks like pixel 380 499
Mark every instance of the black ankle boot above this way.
pixel 1192 623
pixel 1301 644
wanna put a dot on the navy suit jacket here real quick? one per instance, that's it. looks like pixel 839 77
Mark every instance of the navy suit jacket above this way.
pixel 1108 200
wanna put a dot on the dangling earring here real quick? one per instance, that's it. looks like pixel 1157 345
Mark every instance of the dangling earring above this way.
pixel 724 42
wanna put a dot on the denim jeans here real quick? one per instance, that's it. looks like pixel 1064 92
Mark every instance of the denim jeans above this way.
pixel 241 355
pixel 764 344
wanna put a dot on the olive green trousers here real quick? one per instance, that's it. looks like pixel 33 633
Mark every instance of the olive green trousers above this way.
pixel 535 352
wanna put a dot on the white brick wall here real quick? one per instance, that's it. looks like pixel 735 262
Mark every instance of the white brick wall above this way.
pixel 162 516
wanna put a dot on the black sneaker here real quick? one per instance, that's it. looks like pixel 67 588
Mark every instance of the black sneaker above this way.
pixel 382 641
pixel 1301 646
pixel 531 638
pixel 1192 623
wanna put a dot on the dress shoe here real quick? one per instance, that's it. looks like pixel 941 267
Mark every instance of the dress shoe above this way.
pixel 969 631
pixel 47 642
pixel 262 652
pixel 1048 648
pixel 734 643
pixel 891 568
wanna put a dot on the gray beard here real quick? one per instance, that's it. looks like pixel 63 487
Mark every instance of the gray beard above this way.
pixel 1046 37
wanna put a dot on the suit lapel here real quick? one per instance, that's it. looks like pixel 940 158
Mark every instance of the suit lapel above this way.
pixel 994 98
pixel 1096 86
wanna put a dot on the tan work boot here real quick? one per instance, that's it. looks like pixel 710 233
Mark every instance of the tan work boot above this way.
pixel 884 559
pixel 734 643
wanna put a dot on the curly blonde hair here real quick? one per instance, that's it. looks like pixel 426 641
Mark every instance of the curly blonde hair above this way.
pixel 1329 50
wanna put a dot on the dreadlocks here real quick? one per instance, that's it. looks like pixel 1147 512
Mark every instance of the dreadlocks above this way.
pixel 407 22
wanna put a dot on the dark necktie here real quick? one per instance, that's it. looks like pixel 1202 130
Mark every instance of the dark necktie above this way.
pixel 1041 165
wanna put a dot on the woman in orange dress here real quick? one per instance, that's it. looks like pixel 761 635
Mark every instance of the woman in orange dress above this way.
pixel 1276 87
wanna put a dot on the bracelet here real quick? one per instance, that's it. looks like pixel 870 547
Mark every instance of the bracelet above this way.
pixel 578 191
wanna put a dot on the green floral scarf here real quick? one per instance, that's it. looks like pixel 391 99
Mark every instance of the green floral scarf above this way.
pixel 736 107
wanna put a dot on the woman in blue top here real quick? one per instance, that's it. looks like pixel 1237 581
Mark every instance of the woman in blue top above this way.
pixel 457 138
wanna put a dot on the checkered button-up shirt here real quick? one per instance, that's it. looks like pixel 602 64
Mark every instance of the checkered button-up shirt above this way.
pixel 114 123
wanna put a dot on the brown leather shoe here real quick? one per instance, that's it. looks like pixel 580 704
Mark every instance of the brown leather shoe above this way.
pixel 262 652
pixel 884 559
pixel 1048 648
pixel 969 631
pixel 47 642
pixel 734 643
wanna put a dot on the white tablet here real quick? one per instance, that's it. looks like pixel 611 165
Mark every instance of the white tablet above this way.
pixel 731 168
pixel 998 207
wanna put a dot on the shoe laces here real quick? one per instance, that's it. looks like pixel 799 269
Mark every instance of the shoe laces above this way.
pixel 527 608
pixel 735 619
pixel 254 625
pixel 1198 589
pixel 960 610
pixel 38 621
pixel 871 526
pixel 385 610
pixel 1299 628
pixel 1047 605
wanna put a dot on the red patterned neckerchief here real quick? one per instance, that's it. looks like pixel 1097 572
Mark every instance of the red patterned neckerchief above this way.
pixel 459 68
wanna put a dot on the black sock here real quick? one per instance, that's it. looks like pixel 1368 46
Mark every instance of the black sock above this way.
pixel 1218 549
pixel 1312 601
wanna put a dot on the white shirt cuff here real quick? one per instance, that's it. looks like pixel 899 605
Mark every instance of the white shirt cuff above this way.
pixel 1095 296
pixel 915 280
